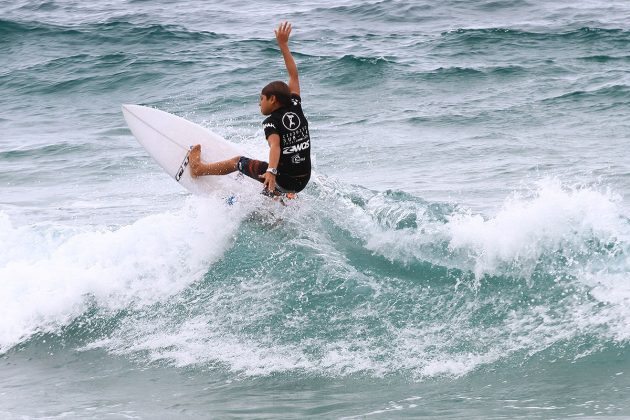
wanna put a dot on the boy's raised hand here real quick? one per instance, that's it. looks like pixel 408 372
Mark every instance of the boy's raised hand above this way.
pixel 283 32
pixel 282 36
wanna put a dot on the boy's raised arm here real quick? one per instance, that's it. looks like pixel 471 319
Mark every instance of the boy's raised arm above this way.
pixel 282 36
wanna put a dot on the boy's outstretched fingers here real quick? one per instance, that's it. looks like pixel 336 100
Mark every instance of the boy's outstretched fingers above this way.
pixel 283 32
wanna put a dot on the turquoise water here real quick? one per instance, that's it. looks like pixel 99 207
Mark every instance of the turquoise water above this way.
pixel 462 250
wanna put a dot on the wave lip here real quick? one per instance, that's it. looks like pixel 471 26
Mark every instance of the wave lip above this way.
pixel 555 219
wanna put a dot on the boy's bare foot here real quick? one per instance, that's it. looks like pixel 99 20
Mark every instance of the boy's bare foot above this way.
pixel 194 160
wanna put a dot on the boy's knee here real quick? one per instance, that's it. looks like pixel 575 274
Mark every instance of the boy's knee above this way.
pixel 237 162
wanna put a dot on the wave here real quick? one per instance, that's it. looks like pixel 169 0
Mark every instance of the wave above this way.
pixel 70 82
pixel 343 281
pixel 45 151
pixel 384 10
pixel 361 71
pixel 354 60
pixel 114 29
pixel 89 73
pixel 9 27
pixel 607 92
pixel 602 58
pixel 96 57
pixel 450 73
pixel 484 36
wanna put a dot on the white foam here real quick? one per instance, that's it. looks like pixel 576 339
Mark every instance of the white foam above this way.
pixel 526 228
pixel 50 274
pixel 199 341
pixel 550 218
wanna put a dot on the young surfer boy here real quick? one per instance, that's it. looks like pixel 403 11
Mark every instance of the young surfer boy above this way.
pixel 286 130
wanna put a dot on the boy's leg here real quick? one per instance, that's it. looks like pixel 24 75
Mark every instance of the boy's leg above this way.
pixel 198 168
pixel 252 168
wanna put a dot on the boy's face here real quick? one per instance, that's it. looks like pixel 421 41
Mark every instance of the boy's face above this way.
pixel 267 105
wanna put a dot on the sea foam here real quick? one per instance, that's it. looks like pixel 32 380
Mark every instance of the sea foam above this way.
pixel 51 273
pixel 552 218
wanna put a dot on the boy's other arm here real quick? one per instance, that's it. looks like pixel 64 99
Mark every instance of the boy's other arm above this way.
pixel 274 159
pixel 282 36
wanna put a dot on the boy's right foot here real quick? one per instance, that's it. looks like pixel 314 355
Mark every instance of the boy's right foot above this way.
pixel 194 160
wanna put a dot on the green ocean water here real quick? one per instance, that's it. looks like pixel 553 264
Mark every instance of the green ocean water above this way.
pixel 462 250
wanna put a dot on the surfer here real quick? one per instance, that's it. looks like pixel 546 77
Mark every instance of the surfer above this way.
pixel 286 131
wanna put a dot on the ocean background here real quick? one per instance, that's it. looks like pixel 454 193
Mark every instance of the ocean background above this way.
pixel 462 251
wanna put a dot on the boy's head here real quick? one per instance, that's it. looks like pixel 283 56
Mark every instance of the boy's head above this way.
pixel 273 96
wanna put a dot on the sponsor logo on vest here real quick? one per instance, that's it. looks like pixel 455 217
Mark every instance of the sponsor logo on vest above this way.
pixel 296 159
pixel 296 148
pixel 291 121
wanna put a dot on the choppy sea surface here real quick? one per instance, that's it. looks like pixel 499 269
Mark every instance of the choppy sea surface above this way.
pixel 463 249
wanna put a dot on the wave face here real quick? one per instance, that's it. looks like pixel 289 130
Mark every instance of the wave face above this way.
pixel 346 281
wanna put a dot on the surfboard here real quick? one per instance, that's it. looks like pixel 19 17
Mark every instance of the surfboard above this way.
pixel 167 138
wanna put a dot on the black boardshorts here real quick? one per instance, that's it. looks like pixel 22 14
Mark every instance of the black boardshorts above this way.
pixel 284 183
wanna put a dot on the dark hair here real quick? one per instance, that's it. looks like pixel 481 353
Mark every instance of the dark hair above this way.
pixel 280 90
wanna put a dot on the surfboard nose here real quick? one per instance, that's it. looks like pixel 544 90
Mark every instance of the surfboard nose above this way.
pixel 131 107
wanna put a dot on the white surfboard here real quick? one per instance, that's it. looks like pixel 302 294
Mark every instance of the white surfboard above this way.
pixel 168 138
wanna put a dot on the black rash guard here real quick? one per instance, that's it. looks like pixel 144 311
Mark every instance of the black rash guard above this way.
pixel 295 142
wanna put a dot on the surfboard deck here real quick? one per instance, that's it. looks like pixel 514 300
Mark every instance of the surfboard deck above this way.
pixel 168 138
